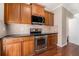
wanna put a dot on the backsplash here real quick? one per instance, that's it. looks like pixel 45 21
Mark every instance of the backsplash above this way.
pixel 25 28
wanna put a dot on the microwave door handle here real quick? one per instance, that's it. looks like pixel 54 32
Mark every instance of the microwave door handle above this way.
pixel 43 19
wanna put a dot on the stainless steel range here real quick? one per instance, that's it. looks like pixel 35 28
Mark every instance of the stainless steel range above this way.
pixel 40 40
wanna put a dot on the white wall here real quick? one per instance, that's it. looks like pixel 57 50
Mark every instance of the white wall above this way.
pixel 65 15
pixel 58 23
pixel 74 30
pixel 2 25
pixel 60 17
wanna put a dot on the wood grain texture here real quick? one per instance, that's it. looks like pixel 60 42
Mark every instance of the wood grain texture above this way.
pixel 46 18
pixel 38 10
pixel 25 14
pixel 12 13
pixel 49 18
pixel 17 13
pixel 19 46
pixel 25 48
pixel 13 49
pixel 69 50
pixel 52 41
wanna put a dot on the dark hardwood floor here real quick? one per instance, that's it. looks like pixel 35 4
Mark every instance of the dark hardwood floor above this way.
pixel 69 50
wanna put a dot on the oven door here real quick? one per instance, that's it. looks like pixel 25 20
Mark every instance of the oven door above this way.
pixel 40 43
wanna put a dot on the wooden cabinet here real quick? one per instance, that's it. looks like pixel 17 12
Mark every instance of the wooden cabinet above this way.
pixel 11 47
pixel 25 14
pixel 31 45
pixel 12 13
pixel 49 18
pixel 6 19
pixel 46 18
pixel 21 13
pixel 25 47
pixel 38 10
pixel 17 13
pixel 52 41
pixel 28 46
pixel 22 46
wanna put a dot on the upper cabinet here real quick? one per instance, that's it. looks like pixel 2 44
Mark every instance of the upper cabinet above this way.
pixel 46 18
pixel 37 10
pixel 49 18
pixel 25 14
pixel 12 13
pixel 17 13
pixel 21 13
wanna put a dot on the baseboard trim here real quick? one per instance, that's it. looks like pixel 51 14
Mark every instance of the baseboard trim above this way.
pixel 62 45
pixel 75 43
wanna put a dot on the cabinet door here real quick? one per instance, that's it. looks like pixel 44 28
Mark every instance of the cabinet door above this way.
pixel 6 16
pixel 31 45
pixel 41 11
pixel 49 42
pixel 52 41
pixel 27 46
pixel 46 18
pixel 51 19
pixel 37 10
pixel 25 14
pixel 25 49
pixel 13 49
pixel 12 13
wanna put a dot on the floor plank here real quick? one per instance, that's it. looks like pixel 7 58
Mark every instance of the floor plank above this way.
pixel 69 50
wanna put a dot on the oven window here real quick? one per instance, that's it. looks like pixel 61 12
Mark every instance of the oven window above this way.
pixel 41 41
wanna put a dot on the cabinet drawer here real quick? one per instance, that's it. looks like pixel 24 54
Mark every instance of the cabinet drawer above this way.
pixel 29 38
pixel 11 40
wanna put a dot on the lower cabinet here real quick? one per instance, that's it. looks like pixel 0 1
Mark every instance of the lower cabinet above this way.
pixel 52 41
pixel 24 46
pixel 13 49
pixel 18 46
pixel 31 47
pixel 28 46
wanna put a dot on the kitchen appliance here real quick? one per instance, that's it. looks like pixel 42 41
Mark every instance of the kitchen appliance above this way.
pixel 40 40
pixel 40 43
pixel 38 20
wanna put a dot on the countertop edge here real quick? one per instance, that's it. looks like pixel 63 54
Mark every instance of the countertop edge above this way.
pixel 18 35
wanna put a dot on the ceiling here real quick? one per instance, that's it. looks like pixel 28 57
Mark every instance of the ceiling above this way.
pixel 50 6
pixel 72 7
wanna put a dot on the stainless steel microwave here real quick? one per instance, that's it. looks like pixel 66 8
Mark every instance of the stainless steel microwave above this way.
pixel 38 20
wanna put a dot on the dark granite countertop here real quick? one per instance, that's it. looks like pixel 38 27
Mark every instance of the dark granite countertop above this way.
pixel 25 35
